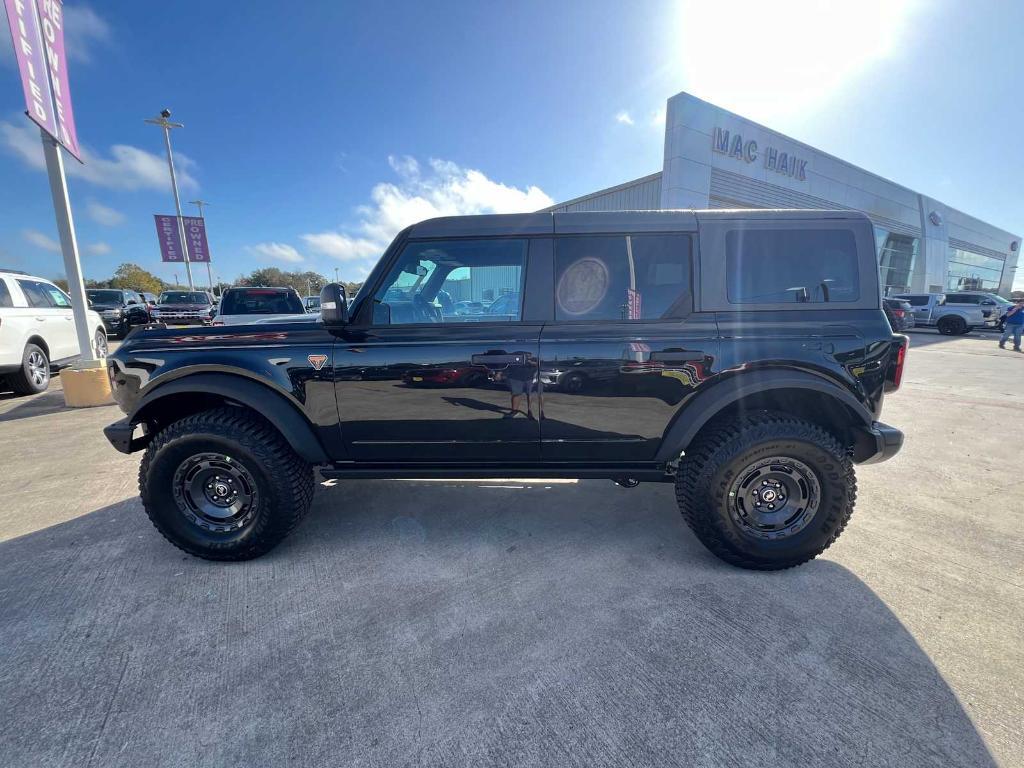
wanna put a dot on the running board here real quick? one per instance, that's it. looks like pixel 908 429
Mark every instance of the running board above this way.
pixel 647 473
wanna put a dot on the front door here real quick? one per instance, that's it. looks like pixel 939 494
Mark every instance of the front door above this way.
pixel 443 366
pixel 625 347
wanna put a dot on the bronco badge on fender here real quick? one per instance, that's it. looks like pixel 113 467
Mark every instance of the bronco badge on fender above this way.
pixel 317 361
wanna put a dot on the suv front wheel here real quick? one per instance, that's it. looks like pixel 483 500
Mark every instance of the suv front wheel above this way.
pixel 224 485
pixel 766 491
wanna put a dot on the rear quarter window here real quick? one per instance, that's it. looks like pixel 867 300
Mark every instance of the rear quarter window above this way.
pixel 799 266
pixel 5 294
pixel 261 302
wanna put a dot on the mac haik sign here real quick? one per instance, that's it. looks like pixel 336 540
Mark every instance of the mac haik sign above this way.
pixel 37 29
pixel 732 144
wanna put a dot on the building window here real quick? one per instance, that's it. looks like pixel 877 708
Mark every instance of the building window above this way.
pixel 969 271
pixel 897 257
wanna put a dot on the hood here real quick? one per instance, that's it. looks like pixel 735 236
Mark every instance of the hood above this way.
pixel 290 317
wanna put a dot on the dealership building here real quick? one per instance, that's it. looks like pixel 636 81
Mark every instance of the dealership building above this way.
pixel 717 159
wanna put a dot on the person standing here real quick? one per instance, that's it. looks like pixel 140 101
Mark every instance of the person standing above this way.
pixel 1014 324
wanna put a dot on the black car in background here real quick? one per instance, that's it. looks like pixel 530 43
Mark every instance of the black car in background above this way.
pixel 184 308
pixel 121 310
pixel 900 314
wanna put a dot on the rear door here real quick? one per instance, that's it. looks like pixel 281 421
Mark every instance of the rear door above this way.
pixel 624 348
pixel 50 313
pixel 419 382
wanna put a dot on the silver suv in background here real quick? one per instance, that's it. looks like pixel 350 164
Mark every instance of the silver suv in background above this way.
pixel 931 311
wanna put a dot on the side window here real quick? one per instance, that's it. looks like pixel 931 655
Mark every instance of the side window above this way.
pixel 36 294
pixel 783 266
pixel 917 301
pixel 5 294
pixel 622 277
pixel 454 281
pixel 57 297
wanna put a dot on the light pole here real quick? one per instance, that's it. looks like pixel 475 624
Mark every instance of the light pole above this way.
pixel 166 124
pixel 335 274
pixel 209 258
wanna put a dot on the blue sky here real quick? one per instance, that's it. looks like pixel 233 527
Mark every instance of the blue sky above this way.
pixel 317 133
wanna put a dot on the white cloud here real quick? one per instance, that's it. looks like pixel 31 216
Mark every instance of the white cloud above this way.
pixel 658 117
pixel 441 189
pixel 277 252
pixel 807 51
pixel 126 167
pixel 83 29
pixel 40 240
pixel 98 249
pixel 624 117
pixel 101 214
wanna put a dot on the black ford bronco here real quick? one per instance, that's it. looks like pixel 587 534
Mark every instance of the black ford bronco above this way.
pixel 741 355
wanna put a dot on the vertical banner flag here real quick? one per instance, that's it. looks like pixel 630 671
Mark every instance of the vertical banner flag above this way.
pixel 195 234
pixel 28 49
pixel 169 237
pixel 51 17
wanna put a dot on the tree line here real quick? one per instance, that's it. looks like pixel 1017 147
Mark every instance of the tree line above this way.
pixel 133 277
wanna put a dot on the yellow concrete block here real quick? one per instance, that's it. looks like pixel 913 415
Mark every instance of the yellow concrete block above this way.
pixel 85 387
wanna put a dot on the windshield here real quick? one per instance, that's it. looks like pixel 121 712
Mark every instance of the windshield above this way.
pixel 104 297
pixel 261 301
pixel 183 297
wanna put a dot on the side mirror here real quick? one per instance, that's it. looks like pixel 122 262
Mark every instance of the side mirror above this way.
pixel 334 305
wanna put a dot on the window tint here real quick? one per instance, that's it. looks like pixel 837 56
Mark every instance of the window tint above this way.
pixel 454 281
pixel 5 294
pixel 36 294
pixel 916 301
pixel 962 298
pixel 783 266
pixel 57 297
pixel 622 277
pixel 261 301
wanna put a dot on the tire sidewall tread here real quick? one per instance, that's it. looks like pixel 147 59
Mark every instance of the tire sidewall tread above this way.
pixel 709 467
pixel 284 481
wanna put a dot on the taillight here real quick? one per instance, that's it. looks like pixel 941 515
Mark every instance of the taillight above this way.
pixel 899 313
pixel 895 375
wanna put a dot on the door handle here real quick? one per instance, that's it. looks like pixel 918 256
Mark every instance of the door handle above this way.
pixel 500 358
pixel 41 319
pixel 674 356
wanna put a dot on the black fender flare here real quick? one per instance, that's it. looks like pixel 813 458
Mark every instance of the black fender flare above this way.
pixel 263 399
pixel 707 404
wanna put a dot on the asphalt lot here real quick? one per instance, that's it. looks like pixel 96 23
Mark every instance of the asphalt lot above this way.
pixel 524 623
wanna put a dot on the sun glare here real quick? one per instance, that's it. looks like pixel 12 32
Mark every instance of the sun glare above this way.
pixel 770 59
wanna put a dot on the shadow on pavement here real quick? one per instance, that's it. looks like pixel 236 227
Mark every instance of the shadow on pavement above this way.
pixel 51 401
pixel 456 623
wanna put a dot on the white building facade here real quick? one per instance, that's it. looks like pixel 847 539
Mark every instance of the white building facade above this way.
pixel 717 159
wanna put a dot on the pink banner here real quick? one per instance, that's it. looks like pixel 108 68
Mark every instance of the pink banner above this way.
pixel 51 17
pixel 28 48
pixel 195 234
pixel 170 238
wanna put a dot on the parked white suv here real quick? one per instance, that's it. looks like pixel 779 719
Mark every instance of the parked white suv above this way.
pixel 37 331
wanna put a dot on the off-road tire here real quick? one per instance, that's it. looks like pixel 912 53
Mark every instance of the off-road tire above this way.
pixel 283 480
pixel 712 463
pixel 22 381
pixel 952 326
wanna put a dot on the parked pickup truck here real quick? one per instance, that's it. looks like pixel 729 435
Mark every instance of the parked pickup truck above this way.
pixel 931 310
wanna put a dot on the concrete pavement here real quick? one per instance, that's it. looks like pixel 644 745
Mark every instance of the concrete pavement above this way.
pixel 523 623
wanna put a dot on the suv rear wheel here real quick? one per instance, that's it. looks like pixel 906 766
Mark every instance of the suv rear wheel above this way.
pixel 34 375
pixel 766 491
pixel 224 485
